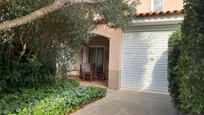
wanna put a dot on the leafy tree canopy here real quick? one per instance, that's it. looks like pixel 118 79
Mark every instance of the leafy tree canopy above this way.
pixel 25 11
pixel 30 51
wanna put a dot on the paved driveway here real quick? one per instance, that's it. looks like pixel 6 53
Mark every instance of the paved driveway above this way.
pixel 128 102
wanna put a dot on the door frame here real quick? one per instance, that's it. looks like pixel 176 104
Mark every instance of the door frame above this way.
pixel 97 46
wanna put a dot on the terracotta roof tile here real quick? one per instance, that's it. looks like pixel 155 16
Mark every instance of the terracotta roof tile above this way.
pixel 158 13
pixel 147 14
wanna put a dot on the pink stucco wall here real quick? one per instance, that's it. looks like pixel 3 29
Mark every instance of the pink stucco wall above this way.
pixel 115 53
pixel 169 5
pixel 115 37
pixel 145 6
pixel 173 5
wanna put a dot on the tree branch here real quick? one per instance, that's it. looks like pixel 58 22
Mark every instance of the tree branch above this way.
pixel 58 4
pixel 23 52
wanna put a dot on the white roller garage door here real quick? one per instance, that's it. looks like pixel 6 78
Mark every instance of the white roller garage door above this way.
pixel 144 61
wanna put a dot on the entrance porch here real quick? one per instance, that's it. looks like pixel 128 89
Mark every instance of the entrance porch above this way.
pixel 95 54
pixel 103 54
pixel 96 83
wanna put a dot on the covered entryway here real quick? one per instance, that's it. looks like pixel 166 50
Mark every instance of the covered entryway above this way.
pixel 96 54
pixel 104 52
pixel 144 57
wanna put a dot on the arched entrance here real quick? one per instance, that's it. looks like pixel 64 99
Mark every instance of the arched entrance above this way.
pixel 108 41
pixel 96 52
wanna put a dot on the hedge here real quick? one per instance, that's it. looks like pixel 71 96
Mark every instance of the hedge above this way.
pixel 191 61
pixel 173 55
pixel 64 97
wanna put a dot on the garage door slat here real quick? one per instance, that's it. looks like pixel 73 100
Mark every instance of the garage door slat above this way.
pixel 138 70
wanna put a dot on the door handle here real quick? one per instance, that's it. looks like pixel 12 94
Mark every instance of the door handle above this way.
pixel 152 59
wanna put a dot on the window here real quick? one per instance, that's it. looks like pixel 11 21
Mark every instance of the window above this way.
pixel 157 5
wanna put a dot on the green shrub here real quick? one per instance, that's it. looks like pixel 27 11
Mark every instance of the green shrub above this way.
pixel 65 96
pixel 173 55
pixel 191 61
pixel 29 52
pixel 27 74
pixel 66 102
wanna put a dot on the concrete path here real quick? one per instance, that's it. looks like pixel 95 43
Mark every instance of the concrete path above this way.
pixel 109 91
pixel 129 102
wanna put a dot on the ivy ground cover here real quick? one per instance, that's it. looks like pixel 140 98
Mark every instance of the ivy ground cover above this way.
pixel 63 97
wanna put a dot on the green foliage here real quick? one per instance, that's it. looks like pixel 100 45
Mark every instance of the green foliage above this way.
pixel 63 97
pixel 173 55
pixel 112 11
pixel 30 52
pixel 27 75
pixel 191 61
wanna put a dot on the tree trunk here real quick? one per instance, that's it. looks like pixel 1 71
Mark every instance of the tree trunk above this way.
pixel 58 4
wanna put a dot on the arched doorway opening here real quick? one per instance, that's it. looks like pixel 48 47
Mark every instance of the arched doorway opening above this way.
pixel 111 40
pixel 96 52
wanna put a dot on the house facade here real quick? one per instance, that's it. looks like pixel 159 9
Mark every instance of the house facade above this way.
pixel 135 58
